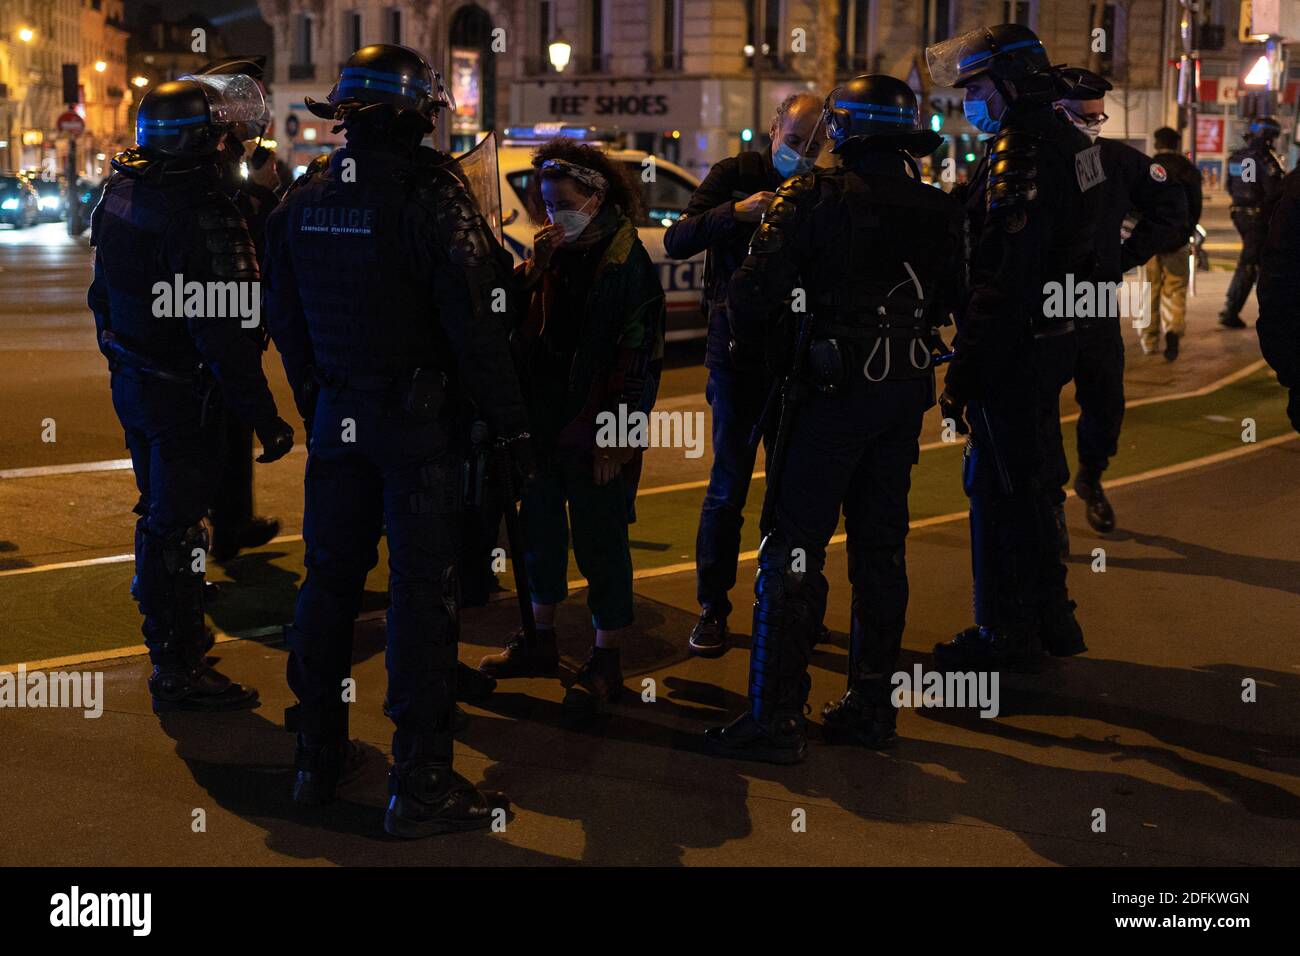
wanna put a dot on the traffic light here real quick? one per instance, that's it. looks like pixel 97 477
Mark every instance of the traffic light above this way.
pixel 1261 77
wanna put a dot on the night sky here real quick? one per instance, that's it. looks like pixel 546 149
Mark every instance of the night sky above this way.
pixel 239 21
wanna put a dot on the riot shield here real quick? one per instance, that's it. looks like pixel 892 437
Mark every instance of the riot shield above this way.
pixel 478 167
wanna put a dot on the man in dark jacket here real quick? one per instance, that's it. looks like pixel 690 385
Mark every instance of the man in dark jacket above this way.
pixel 1279 294
pixel 165 222
pixel 719 220
pixel 1254 183
pixel 1135 185
pixel 1168 271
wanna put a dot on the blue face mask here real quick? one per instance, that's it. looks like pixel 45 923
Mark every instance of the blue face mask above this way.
pixel 977 112
pixel 789 163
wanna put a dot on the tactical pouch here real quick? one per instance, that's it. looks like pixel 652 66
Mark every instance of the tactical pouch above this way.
pixel 826 365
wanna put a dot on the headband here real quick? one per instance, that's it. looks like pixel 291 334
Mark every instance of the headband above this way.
pixel 588 177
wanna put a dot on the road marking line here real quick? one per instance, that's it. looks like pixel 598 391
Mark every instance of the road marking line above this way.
pixel 670 569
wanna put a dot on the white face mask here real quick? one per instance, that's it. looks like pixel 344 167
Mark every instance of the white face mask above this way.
pixel 573 221
pixel 1091 130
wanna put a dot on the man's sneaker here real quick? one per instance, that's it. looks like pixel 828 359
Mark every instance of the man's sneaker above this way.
pixel 1171 346
pixel 524 658
pixel 431 798
pixel 1231 321
pixel 709 636
pixel 781 739
pixel 598 684
pixel 1101 516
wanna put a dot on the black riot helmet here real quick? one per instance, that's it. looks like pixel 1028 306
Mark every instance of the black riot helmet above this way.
pixel 1263 130
pixel 1007 51
pixel 876 111
pixel 387 75
pixel 175 119
pixel 254 67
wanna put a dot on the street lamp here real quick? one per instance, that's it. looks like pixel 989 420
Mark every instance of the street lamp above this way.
pixel 27 34
pixel 560 51
pixel 100 66
pixel 140 81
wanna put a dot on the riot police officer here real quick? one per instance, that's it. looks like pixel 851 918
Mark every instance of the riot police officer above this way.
pixel 1254 183
pixel 1032 230
pixel 382 276
pixel 1279 292
pixel 1135 185
pixel 873 256
pixel 176 359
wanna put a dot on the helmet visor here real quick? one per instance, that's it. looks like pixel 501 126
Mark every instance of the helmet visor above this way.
pixel 235 101
pixel 956 58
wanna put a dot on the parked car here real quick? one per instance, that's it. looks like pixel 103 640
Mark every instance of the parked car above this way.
pixel 20 206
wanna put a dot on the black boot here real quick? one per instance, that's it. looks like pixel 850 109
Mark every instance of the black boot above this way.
pixel 1230 320
pixel 773 730
pixel 864 715
pixel 1101 516
pixel 524 658
pixel 709 636
pixel 598 685
pixel 323 763
pixel 227 542
pixel 175 686
pixel 430 798
pixel 1061 634
pixel 473 686
pixel 988 649
pixel 1171 346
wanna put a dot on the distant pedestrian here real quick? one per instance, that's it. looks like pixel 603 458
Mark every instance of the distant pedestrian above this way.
pixel 1169 271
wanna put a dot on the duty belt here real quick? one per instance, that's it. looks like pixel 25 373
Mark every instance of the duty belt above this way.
pixel 1253 210
pixel 123 358
pixel 1044 331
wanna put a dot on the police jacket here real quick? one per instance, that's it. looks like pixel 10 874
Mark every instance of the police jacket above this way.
pixel 161 223
pixel 1136 184
pixel 709 225
pixel 1279 286
pixel 871 252
pixel 1033 207
pixel 1182 172
pixel 379 264
pixel 1254 179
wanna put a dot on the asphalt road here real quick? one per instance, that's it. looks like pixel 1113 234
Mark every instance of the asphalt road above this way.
pixel 1199 594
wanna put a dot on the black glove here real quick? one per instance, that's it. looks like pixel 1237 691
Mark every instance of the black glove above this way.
pixel 952 408
pixel 304 397
pixel 277 438
pixel 1293 408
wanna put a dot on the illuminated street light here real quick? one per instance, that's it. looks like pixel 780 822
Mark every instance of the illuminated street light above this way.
pixel 560 51
pixel 100 66
pixel 27 34
pixel 141 81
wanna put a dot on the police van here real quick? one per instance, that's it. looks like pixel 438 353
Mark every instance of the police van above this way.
pixel 666 197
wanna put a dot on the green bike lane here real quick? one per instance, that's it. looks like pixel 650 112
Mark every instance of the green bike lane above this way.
pixel 84 610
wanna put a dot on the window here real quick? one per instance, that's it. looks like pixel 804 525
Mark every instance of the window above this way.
pixel 665 199
pixel 670 35
pixel 855 25
pixel 937 20
pixel 352 32
pixel 543 34
pixel 394 25
pixel 1016 11
pixel 302 52
pixel 597 14
pixel 772 28
pixel 1108 39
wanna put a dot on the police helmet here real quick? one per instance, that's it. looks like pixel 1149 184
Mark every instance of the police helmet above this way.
pixel 1080 84
pixel 1007 51
pixel 175 119
pixel 879 112
pixel 1263 129
pixel 386 74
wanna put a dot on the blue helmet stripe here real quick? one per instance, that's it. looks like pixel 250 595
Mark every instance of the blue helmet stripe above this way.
pixel 984 55
pixel 143 123
pixel 855 107
pixel 358 74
